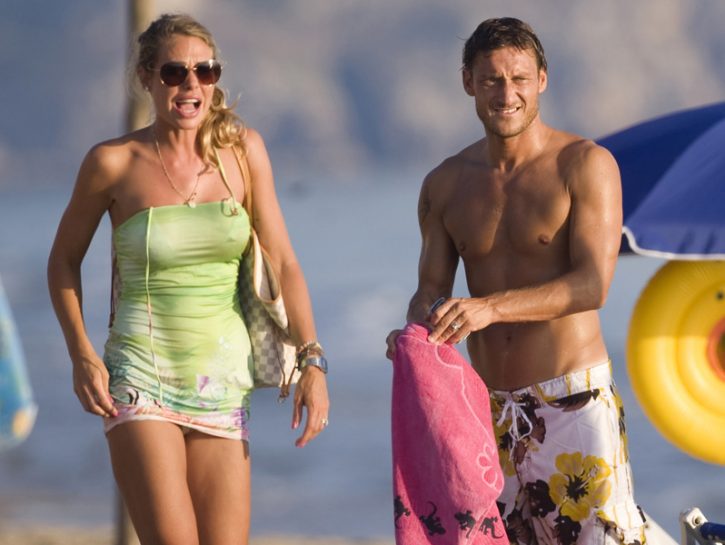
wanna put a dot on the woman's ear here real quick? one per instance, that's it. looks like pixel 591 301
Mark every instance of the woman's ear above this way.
pixel 144 76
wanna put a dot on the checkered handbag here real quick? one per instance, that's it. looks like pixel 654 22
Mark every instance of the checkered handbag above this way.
pixel 265 316
pixel 260 297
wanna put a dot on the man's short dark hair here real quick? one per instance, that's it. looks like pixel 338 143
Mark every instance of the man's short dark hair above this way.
pixel 502 32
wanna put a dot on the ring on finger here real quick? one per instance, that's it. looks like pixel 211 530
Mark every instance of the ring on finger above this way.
pixel 325 422
pixel 455 326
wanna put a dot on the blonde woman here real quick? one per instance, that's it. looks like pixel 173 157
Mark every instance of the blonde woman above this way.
pixel 174 382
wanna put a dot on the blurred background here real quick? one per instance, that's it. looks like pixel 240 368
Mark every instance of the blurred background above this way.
pixel 357 101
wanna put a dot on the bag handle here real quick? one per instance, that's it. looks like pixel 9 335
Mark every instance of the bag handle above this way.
pixel 247 178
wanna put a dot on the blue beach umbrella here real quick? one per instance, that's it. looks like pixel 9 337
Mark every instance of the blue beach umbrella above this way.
pixel 673 186
pixel 673 183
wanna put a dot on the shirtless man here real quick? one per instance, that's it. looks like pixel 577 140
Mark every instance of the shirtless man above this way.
pixel 535 215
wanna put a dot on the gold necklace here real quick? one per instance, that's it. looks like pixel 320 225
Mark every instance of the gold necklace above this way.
pixel 188 201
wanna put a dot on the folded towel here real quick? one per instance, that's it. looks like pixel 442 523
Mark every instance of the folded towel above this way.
pixel 446 475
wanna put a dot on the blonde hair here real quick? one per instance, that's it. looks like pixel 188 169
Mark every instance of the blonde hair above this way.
pixel 222 127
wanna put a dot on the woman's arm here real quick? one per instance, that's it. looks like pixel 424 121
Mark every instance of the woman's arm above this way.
pixel 269 224
pixel 88 203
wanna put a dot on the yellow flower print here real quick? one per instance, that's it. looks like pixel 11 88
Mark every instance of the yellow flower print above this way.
pixel 581 486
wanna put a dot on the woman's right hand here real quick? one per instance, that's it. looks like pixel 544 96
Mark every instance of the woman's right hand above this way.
pixel 90 384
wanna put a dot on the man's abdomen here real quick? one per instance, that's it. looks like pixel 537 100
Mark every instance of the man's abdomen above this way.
pixel 513 355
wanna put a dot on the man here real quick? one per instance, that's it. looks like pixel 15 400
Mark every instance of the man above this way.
pixel 535 215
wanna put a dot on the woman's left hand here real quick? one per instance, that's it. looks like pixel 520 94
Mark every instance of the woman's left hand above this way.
pixel 311 392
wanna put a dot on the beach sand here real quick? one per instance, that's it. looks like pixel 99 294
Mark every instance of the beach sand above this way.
pixel 23 535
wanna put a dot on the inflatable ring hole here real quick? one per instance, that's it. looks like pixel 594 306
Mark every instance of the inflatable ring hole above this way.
pixel 716 348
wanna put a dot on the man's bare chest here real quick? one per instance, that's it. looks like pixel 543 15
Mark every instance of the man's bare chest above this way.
pixel 520 216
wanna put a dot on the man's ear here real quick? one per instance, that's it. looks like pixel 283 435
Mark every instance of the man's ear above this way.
pixel 543 80
pixel 467 78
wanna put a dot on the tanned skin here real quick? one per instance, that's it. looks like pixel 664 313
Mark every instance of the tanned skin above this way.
pixel 535 216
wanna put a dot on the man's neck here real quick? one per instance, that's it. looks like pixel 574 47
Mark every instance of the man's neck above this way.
pixel 507 153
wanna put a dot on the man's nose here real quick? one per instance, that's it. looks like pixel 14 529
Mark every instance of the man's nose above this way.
pixel 506 91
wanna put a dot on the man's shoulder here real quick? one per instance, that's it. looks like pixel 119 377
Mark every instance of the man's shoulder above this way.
pixel 572 150
pixel 448 171
pixel 581 161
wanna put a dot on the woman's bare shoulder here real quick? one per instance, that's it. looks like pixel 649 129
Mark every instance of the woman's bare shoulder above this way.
pixel 252 140
pixel 108 161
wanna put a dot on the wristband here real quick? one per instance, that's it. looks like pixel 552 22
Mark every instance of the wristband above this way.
pixel 312 361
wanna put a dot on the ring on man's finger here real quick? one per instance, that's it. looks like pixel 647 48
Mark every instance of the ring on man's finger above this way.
pixel 455 326
pixel 325 422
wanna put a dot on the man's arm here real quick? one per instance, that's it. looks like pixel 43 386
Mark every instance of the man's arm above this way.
pixel 438 256
pixel 595 227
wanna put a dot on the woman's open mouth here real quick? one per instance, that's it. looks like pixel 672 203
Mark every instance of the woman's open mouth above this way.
pixel 187 107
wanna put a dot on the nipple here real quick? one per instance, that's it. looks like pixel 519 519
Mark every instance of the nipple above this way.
pixel 543 239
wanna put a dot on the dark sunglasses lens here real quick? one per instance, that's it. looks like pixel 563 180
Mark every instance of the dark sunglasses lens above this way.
pixel 208 73
pixel 173 74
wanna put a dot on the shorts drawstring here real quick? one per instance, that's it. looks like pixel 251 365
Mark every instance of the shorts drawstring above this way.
pixel 515 408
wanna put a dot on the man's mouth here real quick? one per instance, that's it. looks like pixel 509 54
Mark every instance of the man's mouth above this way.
pixel 507 110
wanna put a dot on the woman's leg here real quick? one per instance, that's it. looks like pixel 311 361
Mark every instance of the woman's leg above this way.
pixel 149 463
pixel 218 473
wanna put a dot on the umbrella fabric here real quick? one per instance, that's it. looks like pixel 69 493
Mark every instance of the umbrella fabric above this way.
pixel 673 183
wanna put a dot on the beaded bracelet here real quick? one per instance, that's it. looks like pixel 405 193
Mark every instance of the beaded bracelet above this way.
pixel 308 346
pixel 303 351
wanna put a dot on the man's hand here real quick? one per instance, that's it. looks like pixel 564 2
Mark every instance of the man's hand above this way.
pixel 455 319
pixel 391 340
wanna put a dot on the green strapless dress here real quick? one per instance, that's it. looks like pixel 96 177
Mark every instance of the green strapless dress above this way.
pixel 178 349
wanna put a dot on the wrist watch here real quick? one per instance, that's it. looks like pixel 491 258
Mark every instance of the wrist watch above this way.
pixel 315 361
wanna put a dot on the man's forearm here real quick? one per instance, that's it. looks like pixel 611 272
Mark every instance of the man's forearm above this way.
pixel 420 303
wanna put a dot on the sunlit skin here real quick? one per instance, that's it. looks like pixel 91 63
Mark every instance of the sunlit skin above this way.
pixel 506 85
pixel 124 176
pixel 179 487
pixel 183 107
pixel 534 215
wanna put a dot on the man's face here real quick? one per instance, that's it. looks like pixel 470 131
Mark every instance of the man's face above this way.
pixel 506 84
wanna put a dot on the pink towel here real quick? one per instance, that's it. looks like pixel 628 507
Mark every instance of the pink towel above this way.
pixel 446 476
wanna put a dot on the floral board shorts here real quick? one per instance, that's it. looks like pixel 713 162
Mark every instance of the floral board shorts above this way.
pixel 563 449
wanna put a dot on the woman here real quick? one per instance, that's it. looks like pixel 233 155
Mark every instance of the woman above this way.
pixel 173 386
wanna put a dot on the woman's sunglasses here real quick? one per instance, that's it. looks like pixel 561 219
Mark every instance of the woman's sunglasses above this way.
pixel 174 74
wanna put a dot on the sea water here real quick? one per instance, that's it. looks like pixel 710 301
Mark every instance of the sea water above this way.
pixel 358 244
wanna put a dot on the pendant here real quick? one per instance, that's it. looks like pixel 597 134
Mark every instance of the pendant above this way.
pixel 232 205
pixel 191 201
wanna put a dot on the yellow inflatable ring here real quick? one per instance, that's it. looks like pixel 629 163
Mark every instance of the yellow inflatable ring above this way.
pixel 676 356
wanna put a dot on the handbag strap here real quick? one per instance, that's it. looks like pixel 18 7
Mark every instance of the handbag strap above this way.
pixel 247 178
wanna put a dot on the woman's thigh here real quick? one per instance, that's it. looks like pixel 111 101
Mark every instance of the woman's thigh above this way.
pixel 150 466
pixel 218 473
